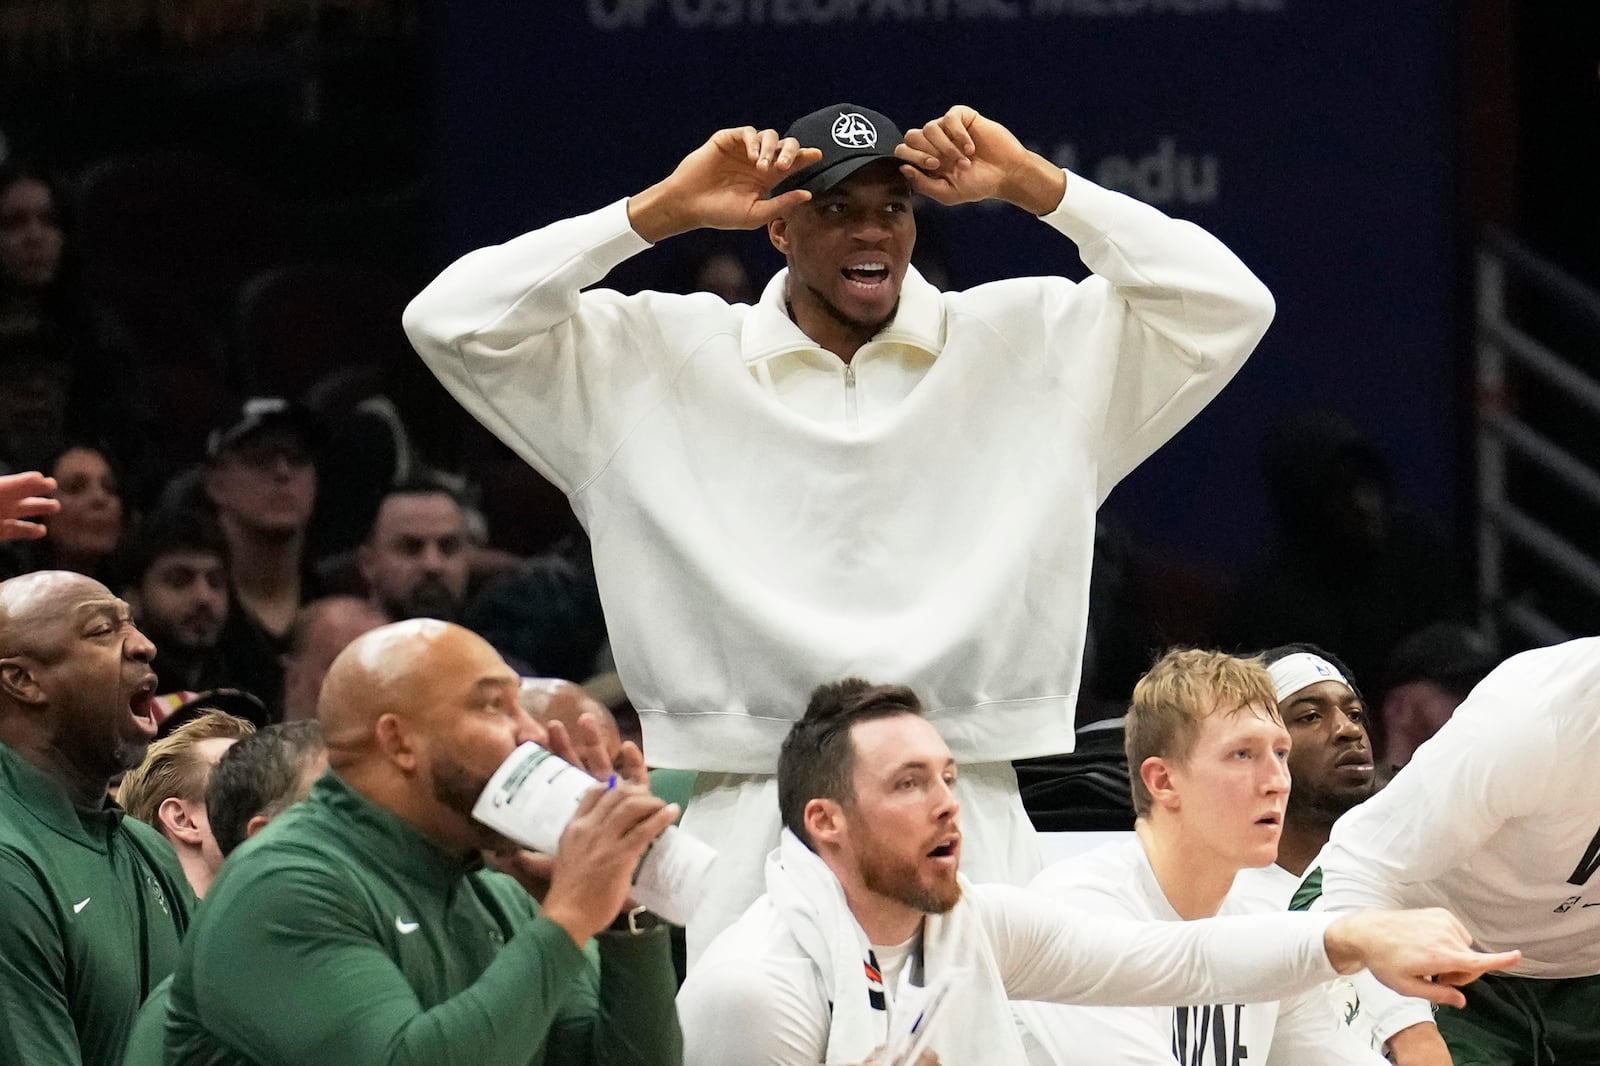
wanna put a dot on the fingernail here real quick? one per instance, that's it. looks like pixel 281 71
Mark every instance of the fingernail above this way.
pixel 612 783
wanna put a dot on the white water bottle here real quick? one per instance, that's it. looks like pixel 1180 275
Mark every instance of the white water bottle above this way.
pixel 535 793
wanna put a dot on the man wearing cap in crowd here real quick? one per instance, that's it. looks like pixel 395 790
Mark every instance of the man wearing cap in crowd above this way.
pixel 261 477
pixel 859 474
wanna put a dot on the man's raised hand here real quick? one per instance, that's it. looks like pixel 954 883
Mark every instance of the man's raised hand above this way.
pixel 23 498
pixel 961 157
pixel 723 184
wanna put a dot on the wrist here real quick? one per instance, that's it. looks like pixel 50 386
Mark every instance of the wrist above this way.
pixel 1038 186
pixel 1415 1041
pixel 571 921
pixel 1340 942
pixel 653 215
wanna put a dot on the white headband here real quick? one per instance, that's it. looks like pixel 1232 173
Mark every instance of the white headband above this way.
pixel 1294 672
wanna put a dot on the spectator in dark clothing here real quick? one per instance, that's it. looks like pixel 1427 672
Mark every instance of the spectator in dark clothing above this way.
pixel 44 315
pixel 545 614
pixel 175 577
pixel 321 631
pixel 1350 569
pixel 261 477
pixel 86 532
pixel 1429 675
pixel 32 251
pixel 35 398
pixel 415 561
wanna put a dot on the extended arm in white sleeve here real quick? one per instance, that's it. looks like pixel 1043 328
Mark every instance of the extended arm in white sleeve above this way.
pixel 556 373
pixel 1050 951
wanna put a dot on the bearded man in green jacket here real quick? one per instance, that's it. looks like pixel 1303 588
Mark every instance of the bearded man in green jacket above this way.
pixel 360 928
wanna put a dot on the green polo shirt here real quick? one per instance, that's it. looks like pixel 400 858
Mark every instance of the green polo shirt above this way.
pixel 93 906
pixel 339 934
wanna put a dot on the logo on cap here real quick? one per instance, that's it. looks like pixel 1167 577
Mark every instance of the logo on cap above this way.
pixel 852 130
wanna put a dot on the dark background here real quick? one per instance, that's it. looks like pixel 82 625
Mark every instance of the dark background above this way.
pixel 1359 151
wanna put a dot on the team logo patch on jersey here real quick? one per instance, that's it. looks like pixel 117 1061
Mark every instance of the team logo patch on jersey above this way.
pixel 1352 1009
pixel 156 894
pixel 852 130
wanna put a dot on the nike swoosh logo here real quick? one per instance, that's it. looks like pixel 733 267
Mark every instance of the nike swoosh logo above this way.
pixel 78 907
pixel 404 927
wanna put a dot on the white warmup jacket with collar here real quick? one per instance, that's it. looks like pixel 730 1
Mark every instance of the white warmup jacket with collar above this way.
pixel 765 519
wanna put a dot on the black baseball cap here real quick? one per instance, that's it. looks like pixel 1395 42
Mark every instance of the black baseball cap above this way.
pixel 234 701
pixel 261 413
pixel 850 136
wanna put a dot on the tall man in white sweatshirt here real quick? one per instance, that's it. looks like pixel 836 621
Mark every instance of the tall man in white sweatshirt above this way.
pixel 866 915
pixel 859 474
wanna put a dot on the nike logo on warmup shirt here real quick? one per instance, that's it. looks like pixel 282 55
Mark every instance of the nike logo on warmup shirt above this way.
pixel 78 907
pixel 402 926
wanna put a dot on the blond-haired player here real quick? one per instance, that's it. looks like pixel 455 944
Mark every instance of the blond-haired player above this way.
pixel 1208 758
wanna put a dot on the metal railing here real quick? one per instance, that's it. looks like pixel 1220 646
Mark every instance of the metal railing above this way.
pixel 1523 525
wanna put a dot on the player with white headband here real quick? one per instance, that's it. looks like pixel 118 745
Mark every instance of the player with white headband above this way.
pixel 1331 765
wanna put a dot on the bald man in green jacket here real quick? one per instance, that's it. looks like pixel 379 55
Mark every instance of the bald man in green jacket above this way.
pixel 358 928
pixel 92 903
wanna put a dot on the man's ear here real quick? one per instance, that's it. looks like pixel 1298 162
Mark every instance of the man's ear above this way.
pixel 397 742
pixel 255 825
pixel 778 234
pixel 824 821
pixel 1156 773
pixel 18 681
pixel 177 822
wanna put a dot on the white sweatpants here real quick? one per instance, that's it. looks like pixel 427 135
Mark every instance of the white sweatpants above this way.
pixel 738 815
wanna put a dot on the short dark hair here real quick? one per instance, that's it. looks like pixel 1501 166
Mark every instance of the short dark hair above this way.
pixel 417 485
pixel 258 777
pixel 163 532
pixel 1451 655
pixel 818 757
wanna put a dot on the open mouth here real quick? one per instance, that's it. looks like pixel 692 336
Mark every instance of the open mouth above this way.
pixel 947 849
pixel 867 275
pixel 142 706
pixel 1270 819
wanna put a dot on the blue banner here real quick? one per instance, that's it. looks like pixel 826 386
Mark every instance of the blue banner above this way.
pixel 1313 138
